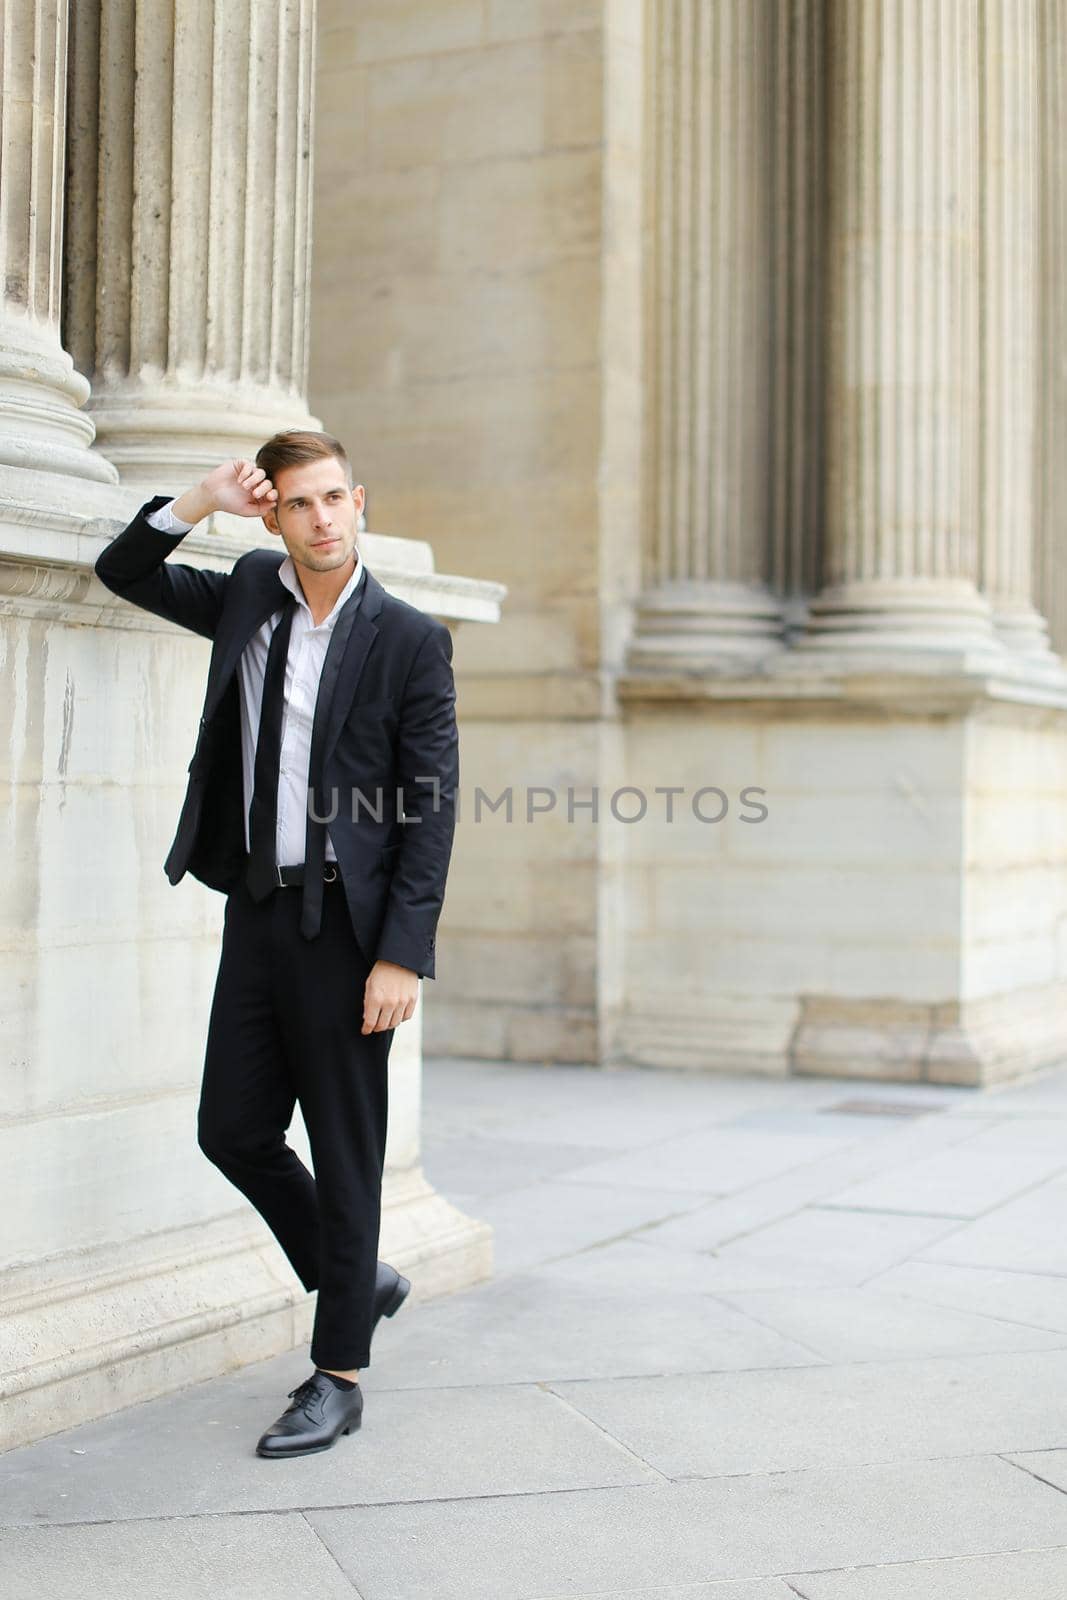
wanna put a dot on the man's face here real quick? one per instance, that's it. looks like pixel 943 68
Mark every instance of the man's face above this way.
pixel 316 514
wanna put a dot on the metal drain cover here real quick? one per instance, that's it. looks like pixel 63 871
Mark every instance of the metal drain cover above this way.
pixel 882 1108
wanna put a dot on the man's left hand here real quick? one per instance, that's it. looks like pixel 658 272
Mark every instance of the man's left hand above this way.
pixel 389 996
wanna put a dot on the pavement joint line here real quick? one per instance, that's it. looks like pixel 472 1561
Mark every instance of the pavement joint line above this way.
pixel 742 1311
pixel 346 1505
pixel 1017 1194
pixel 795 1210
pixel 942 1305
pixel 904 1561
pixel 664 1477
pixel 317 1536
pixel 822 1365
pixel 968 1266
pixel 666 1484
pixel 798 1592
pixel 1006 1457
pixel 873 1463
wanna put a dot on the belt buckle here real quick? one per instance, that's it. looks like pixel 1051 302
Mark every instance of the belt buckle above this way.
pixel 329 872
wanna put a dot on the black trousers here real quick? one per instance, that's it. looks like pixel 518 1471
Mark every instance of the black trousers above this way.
pixel 285 1028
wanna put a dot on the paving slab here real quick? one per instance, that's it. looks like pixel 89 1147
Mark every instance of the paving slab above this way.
pixel 478 1165
pixel 1029 1299
pixel 194 1452
pixel 542 1221
pixel 710 1161
pixel 868 1324
pixel 791 1390
pixel 528 1328
pixel 1027 1234
pixel 814 1245
pixel 970 1179
pixel 207 1558
pixel 1045 1090
pixel 711 1424
pixel 1022 1575
pixel 716 1222
pixel 520 1547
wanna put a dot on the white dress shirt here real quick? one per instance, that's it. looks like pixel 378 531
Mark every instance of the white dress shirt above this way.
pixel 308 643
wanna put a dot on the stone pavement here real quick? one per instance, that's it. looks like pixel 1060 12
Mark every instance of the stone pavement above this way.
pixel 746 1340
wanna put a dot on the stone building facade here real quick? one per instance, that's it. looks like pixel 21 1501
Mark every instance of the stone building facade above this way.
pixel 154 231
pixel 729 334
pixel 729 338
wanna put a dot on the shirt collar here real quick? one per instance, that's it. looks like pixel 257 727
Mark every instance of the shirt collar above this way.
pixel 287 574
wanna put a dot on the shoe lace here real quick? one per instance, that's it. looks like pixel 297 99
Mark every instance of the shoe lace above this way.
pixel 303 1394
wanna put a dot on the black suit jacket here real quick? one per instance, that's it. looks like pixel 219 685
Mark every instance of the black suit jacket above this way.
pixel 391 745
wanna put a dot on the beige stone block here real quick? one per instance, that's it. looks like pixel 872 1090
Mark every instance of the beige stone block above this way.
pixel 522 98
pixel 854 756
pixel 540 641
pixel 487 845
pixel 667 966
pixel 535 896
pixel 342 140
pixel 727 1036
pixel 1021 902
pixel 72 1046
pixel 1002 757
pixel 519 213
pixel 1006 830
pixel 550 1036
pixel 533 19
pixel 997 966
pixel 923 970
pixel 718 898
pixel 368 226
pixel 418 326
pixel 852 830
pixel 384 30
pixel 458 1028
pixel 515 969
pixel 531 430
pixel 684 843
pixel 885 1041
pixel 50 1169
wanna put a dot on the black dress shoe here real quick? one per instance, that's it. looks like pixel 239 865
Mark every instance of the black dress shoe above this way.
pixel 319 1414
pixel 390 1292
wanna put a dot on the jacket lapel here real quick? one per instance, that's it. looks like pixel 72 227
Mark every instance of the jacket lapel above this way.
pixel 266 594
pixel 341 674
pixel 335 694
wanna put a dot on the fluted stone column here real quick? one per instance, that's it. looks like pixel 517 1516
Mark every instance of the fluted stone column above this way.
pixel 42 425
pixel 902 563
pixel 799 250
pixel 1051 475
pixel 189 226
pixel 1010 279
pixel 706 601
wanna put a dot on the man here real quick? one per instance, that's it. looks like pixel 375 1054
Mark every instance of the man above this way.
pixel 321 802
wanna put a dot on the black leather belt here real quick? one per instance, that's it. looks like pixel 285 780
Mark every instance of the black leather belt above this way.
pixel 293 877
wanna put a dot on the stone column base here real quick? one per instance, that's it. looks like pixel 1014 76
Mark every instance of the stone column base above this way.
pixel 88 1335
pixel 865 874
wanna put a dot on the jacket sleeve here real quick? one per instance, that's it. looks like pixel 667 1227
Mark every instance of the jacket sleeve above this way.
pixel 427 745
pixel 135 567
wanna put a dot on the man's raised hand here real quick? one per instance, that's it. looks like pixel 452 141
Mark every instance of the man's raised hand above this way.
pixel 237 486
pixel 241 487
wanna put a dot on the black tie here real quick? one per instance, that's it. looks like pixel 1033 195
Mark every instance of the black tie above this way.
pixel 261 873
pixel 320 804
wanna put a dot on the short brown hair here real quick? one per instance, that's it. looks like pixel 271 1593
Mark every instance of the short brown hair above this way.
pixel 293 446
